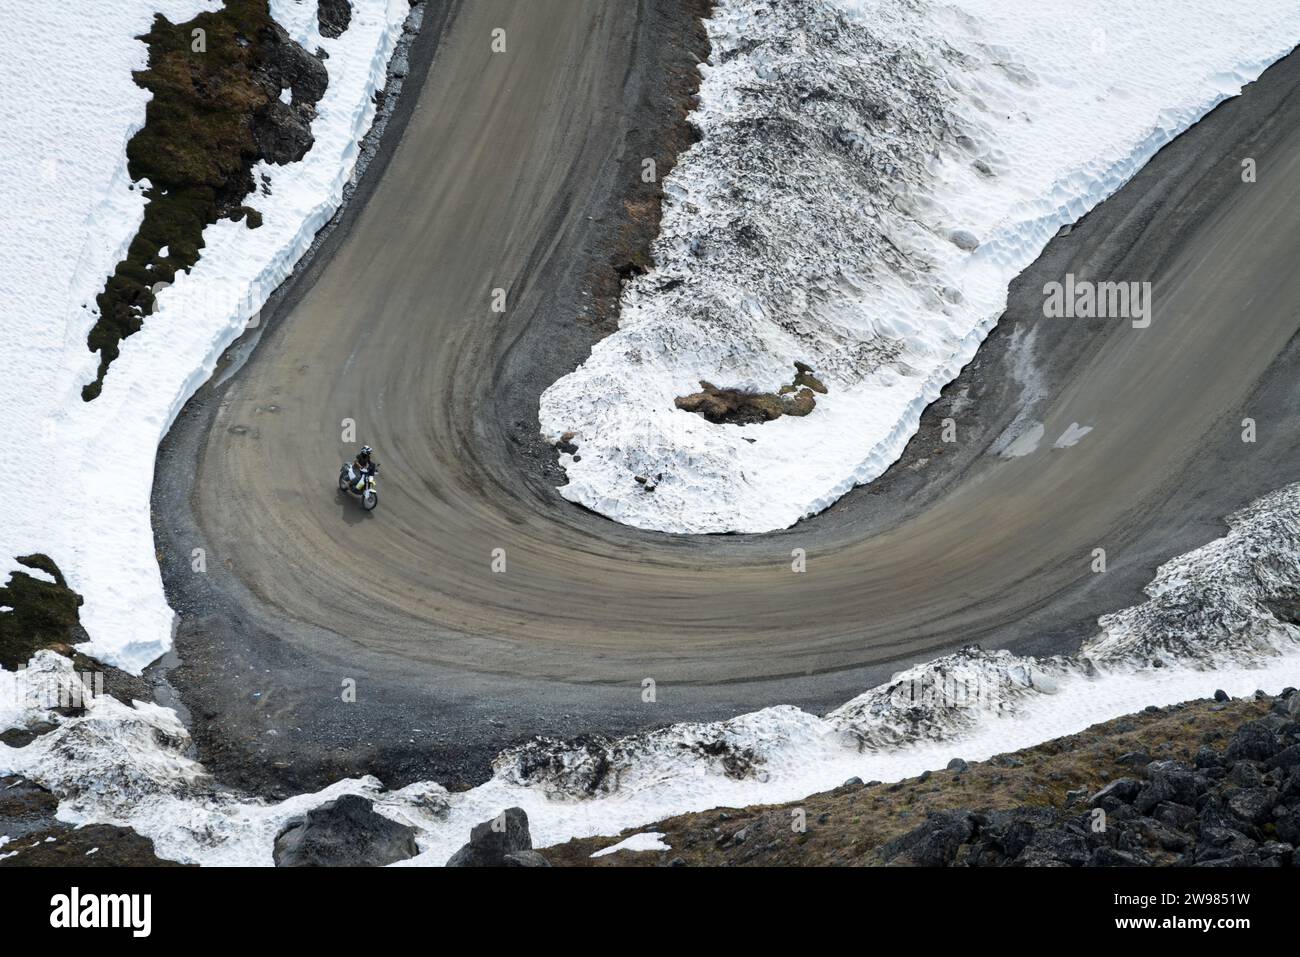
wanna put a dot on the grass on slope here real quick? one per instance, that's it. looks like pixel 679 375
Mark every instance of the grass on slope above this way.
pixel 848 826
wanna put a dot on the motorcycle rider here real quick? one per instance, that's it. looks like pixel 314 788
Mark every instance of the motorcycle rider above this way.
pixel 363 465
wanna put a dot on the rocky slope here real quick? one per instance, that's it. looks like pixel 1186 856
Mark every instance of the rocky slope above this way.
pixel 1208 783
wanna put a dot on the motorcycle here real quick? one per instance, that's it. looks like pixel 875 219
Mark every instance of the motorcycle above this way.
pixel 368 492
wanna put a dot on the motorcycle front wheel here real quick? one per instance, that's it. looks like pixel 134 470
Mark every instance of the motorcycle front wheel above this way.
pixel 370 500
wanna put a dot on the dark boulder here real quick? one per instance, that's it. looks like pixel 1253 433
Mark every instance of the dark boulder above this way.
pixel 1277 853
pixel 333 17
pixel 1010 832
pixel 1122 790
pixel 1288 757
pixel 503 841
pixel 21 737
pixel 289 65
pixel 1177 816
pixel 933 843
pixel 525 859
pixel 283 135
pixel 344 833
pixel 1157 834
pixel 1245 775
pixel 1055 847
pixel 1252 742
pixel 282 131
pixel 1169 781
pixel 1252 805
pixel 1290 789
pixel 1222 844
pixel 1110 857
pixel 1286 824
pixel 1207 757
pixel 1215 815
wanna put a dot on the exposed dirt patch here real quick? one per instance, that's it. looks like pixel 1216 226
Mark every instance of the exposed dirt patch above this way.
pixel 740 407
pixel 216 111
pixel 651 152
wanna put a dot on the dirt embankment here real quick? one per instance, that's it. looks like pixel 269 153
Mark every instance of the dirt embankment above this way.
pixel 651 152
pixel 1208 783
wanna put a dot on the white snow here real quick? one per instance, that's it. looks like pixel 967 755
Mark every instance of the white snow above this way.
pixel 70 211
pixel 40 574
pixel 853 151
pixel 1071 436
pixel 645 841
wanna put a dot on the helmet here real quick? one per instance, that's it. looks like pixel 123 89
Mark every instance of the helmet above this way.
pixel 366 450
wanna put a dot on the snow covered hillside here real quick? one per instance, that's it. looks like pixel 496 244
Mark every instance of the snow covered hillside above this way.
pixel 70 211
pixel 872 175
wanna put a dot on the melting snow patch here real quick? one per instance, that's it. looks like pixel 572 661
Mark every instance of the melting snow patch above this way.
pixel 41 574
pixel 1072 435
pixel 648 841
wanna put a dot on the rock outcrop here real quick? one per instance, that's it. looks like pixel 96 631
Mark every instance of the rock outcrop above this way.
pixel 333 17
pixel 503 841
pixel 346 832
pixel 1235 808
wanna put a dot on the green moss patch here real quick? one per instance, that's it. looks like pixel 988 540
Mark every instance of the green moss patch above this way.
pixel 216 111
pixel 43 614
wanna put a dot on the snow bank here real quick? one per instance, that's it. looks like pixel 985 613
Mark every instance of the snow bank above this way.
pixel 71 210
pixel 650 841
pixel 872 175
pixel 1207 624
